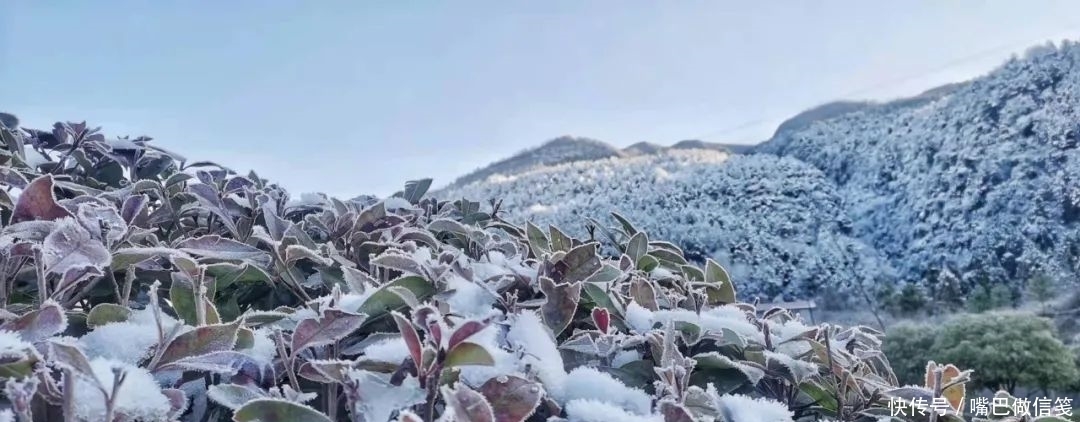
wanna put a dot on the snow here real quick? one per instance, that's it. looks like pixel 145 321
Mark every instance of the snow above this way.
pixel 138 398
pixel 530 336
pixel 776 223
pixel 737 407
pixel 590 384
pixel 976 185
pixel 638 318
pixel 598 411
pixel 391 350
pixel 126 342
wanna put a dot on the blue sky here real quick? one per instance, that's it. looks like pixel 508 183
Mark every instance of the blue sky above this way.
pixel 350 97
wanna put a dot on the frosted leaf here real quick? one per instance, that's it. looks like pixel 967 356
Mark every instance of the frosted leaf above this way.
pixel 800 369
pixel 98 220
pixel 624 357
pixel 585 410
pixel 71 248
pixel 589 383
pixel 378 399
pixel 139 397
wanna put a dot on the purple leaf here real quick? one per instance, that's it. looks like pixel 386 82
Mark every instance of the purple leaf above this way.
pixel 208 197
pixel 217 247
pixel 334 325
pixel 468 405
pixel 464 331
pixel 412 339
pixel 39 324
pixel 134 207
pixel 560 303
pixel 513 399
pixel 200 341
pixel 71 252
pixel 37 202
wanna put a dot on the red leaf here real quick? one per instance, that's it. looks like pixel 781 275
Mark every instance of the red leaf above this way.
pixel 602 318
pixel 412 339
pixel 464 331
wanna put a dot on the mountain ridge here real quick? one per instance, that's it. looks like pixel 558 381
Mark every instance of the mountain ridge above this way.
pixel 965 185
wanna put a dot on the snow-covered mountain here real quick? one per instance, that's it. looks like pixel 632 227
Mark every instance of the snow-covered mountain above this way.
pixel 978 181
pixel 777 222
pixel 969 183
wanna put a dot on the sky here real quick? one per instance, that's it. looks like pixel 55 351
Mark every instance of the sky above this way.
pixel 356 97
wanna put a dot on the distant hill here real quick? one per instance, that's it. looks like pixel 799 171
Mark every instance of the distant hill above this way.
pixel 569 149
pixel 968 184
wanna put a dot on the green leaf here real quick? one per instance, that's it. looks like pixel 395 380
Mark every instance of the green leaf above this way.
pixel 628 228
pixel 415 190
pixel 277 410
pixel 823 398
pixel 638 246
pixel 647 263
pixel 559 240
pixel 200 341
pixel 182 297
pixel 385 300
pixel 715 274
pixel 105 313
pixel 227 273
pixel 538 241
pixel 467 353
pixel 125 257
pixel 596 294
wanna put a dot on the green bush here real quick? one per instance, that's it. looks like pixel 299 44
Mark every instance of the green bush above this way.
pixel 908 345
pixel 1006 350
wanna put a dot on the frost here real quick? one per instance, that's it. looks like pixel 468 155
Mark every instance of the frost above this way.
pixel 598 411
pixel 139 397
pixel 263 348
pixel 7 416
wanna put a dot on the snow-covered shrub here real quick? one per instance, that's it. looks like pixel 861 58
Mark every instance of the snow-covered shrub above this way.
pixel 140 287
